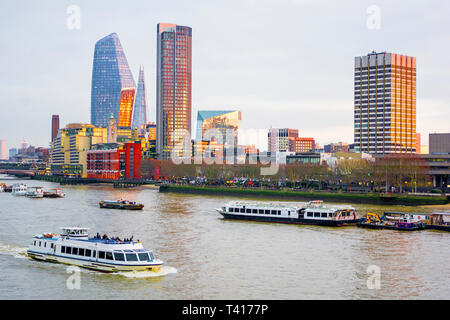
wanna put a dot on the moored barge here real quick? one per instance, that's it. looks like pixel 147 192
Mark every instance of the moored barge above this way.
pixel 311 213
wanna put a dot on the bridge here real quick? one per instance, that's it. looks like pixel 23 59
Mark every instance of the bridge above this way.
pixel 18 173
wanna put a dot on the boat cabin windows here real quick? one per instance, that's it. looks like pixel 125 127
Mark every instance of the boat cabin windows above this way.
pixel 81 252
pixel 143 256
pixel 119 256
pixel 309 214
pixel 88 253
pixel 260 211
pixel 316 214
pixel 255 210
pixel 109 255
pixel 267 211
pixel 242 210
pixel 248 210
pixel 101 254
pixel 324 214
pixel 74 250
pixel 131 256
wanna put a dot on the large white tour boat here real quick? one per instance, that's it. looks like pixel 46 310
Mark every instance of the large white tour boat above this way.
pixel 19 189
pixel 313 213
pixel 101 253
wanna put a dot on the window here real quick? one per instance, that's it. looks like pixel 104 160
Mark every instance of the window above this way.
pixel 109 255
pixel 74 250
pixel 81 252
pixel 309 214
pixel 131 257
pixel 119 256
pixel 324 214
pixel 230 209
pixel 87 253
pixel 39 243
pixel 51 245
pixel 45 244
pixel 330 215
pixel 93 253
pixel 101 254
pixel 35 242
pixel 248 210
pixel 151 256
pixel 255 210
pixel 242 210
pixel 68 250
pixel 261 211
pixel 63 249
pixel 267 211
pixel 143 256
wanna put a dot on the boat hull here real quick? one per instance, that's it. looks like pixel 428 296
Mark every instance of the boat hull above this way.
pixel 121 206
pixel 437 227
pixel 93 265
pixel 369 225
pixel 328 223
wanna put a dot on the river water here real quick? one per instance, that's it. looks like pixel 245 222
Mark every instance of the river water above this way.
pixel 207 257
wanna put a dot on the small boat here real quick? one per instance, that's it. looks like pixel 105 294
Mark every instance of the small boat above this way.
pixel 19 189
pixel 371 221
pixel 404 221
pixel 35 192
pixel 311 213
pixel 74 246
pixel 439 221
pixel 121 204
pixel 56 193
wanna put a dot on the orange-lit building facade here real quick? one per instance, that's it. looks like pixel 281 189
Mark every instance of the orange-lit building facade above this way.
pixel 301 144
pixel 385 103
pixel 126 107
pixel 173 91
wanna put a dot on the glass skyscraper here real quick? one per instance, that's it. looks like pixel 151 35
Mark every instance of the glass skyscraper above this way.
pixel 140 104
pixel 385 103
pixel 173 87
pixel 112 82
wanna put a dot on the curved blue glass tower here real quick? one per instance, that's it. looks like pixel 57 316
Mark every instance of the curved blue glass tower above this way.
pixel 140 103
pixel 110 75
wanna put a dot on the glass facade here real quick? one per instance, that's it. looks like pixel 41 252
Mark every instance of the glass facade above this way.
pixel 220 120
pixel 173 87
pixel 385 103
pixel 110 75
pixel 140 105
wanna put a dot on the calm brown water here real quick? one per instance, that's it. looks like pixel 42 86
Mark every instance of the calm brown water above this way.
pixel 210 258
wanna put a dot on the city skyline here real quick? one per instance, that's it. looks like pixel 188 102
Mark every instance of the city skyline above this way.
pixel 223 74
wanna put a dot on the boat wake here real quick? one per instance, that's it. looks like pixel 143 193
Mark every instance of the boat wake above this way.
pixel 165 270
pixel 15 251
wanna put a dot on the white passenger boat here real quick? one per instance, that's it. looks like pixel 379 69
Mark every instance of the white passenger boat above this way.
pixel 19 189
pixel 313 213
pixel 73 246
pixel 35 192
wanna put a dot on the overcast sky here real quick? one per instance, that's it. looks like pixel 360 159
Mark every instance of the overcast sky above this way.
pixel 285 63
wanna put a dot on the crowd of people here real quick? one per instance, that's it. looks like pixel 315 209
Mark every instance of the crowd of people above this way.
pixel 117 239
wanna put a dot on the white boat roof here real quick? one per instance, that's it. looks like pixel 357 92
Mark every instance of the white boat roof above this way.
pixel 441 213
pixel 74 229
pixel 311 204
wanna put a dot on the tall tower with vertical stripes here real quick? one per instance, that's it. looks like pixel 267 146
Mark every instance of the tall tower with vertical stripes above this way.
pixel 173 88
pixel 385 103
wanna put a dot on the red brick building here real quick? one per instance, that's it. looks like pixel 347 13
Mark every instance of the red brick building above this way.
pixel 112 161
pixel 300 145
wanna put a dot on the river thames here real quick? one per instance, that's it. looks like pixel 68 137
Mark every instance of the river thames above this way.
pixel 207 257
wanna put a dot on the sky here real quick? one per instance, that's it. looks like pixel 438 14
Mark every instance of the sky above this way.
pixel 283 63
